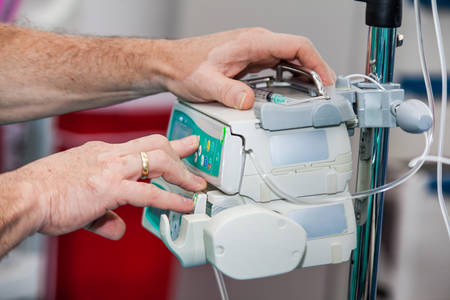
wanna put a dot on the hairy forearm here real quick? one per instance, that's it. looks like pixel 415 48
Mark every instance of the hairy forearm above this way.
pixel 43 73
pixel 19 211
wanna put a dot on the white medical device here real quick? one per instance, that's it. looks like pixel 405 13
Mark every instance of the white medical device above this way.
pixel 278 174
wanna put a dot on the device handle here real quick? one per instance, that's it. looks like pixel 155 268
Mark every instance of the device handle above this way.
pixel 303 72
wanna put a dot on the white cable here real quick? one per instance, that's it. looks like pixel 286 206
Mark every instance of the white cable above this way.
pixel 277 191
pixel 221 284
pixel 430 158
pixel 400 180
pixel 270 184
pixel 437 28
pixel 415 169
pixel 274 187
pixel 431 105
pixel 428 135
pixel 424 67
pixel 365 77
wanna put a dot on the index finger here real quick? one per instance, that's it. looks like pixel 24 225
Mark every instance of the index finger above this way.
pixel 291 47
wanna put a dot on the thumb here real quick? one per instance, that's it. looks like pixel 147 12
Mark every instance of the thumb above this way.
pixel 231 92
pixel 110 226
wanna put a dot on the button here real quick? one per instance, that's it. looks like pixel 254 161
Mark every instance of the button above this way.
pixel 205 163
pixel 195 157
pixel 208 146
pixel 200 150
pixel 202 160
pixel 209 166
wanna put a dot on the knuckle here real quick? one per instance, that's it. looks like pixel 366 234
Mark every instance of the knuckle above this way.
pixel 124 160
pixel 97 148
pixel 96 185
pixel 155 192
pixel 158 198
pixel 259 30
pixel 225 91
pixel 161 156
pixel 95 144
pixel 133 142
pixel 160 140
pixel 306 41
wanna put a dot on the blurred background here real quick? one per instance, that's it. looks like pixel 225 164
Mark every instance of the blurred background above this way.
pixel 415 257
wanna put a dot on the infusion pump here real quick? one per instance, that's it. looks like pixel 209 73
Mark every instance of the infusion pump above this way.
pixel 278 174
pixel 254 160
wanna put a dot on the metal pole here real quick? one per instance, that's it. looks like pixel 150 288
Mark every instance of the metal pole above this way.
pixel 372 162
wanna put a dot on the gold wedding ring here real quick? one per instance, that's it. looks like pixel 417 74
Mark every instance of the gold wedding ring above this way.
pixel 144 158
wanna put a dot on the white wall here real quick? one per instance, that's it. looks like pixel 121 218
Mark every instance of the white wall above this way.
pixel 336 27
pixel 408 56
pixel 142 18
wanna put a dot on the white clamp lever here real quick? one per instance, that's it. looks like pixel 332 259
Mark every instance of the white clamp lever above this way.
pixel 189 246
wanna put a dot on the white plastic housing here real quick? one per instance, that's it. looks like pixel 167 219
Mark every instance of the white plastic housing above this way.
pixel 248 241
pixel 323 155
pixel 188 247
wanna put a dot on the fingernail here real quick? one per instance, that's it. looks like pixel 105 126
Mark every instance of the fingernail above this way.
pixel 240 99
pixel 191 141
pixel 332 77
pixel 188 201
pixel 200 181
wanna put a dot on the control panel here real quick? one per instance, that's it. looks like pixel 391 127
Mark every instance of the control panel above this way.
pixel 220 156
pixel 207 158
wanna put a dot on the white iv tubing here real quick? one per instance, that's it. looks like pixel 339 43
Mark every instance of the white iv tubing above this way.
pixel 273 186
pixel 365 77
pixel 221 284
pixel 416 163
pixel 428 136
pixel 431 158
pixel 400 180
pixel 437 28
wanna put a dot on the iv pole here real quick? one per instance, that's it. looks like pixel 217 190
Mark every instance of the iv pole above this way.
pixel 383 18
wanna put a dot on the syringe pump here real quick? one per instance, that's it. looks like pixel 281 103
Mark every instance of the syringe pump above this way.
pixel 278 197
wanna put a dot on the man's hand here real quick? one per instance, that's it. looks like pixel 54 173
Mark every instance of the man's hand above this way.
pixel 80 187
pixel 44 74
pixel 203 68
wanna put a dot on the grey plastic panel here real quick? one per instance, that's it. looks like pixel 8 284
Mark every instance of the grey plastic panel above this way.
pixel 315 113
pixel 374 107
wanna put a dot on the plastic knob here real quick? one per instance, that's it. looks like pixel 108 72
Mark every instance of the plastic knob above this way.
pixel 413 116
